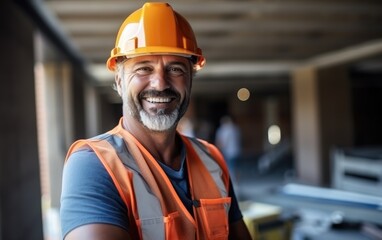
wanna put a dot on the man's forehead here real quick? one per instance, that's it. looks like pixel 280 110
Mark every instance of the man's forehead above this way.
pixel 159 58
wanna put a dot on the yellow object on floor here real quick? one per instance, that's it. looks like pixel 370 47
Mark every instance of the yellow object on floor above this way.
pixel 264 221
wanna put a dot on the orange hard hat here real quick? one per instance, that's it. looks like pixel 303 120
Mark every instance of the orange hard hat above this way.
pixel 155 29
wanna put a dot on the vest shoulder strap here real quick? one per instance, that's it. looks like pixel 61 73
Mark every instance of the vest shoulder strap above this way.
pixel 215 153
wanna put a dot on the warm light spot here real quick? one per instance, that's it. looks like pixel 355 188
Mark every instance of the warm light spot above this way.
pixel 274 134
pixel 243 94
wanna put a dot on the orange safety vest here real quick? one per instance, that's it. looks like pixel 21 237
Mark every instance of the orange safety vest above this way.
pixel 155 209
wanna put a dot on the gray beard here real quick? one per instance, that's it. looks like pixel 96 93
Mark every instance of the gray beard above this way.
pixel 160 122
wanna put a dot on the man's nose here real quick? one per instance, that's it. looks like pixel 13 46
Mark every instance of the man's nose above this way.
pixel 159 80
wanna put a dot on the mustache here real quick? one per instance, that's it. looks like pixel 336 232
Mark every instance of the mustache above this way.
pixel 154 93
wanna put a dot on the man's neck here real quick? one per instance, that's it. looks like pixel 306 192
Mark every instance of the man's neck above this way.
pixel 164 146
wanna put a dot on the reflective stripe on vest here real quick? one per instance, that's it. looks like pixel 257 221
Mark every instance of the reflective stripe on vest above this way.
pixel 152 212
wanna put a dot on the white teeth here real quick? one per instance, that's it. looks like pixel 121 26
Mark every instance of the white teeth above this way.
pixel 158 100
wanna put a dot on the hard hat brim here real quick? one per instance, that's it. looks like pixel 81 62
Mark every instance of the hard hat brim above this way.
pixel 111 62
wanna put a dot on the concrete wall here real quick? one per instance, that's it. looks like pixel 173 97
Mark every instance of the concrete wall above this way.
pixel 20 200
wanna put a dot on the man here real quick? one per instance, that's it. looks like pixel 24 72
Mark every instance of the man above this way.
pixel 144 180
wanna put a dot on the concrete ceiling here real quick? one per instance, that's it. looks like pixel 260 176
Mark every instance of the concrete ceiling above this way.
pixel 240 38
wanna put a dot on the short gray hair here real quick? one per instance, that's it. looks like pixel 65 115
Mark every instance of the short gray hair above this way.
pixel 119 70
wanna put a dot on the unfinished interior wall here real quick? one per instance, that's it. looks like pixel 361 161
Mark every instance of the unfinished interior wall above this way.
pixel 20 199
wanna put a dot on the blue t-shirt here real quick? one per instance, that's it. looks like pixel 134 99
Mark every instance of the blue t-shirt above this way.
pixel 90 196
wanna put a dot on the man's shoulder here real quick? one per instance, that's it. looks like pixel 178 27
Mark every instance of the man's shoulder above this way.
pixel 84 145
pixel 84 157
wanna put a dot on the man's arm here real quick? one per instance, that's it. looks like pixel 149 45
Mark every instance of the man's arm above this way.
pixel 237 227
pixel 238 230
pixel 98 232
pixel 90 202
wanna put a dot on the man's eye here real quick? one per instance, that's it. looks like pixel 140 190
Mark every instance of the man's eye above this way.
pixel 176 70
pixel 143 70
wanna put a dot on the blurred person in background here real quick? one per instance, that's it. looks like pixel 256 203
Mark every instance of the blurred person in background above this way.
pixel 228 140
pixel 143 179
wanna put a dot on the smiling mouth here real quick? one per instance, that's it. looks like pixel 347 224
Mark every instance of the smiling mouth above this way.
pixel 159 99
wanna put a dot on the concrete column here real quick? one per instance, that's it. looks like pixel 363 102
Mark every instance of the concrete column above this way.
pixel 54 124
pixel 322 119
pixel 20 195
pixel 92 117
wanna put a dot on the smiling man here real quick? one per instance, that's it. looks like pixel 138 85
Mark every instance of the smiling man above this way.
pixel 143 179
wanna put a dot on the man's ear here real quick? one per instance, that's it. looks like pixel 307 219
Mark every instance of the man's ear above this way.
pixel 118 86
